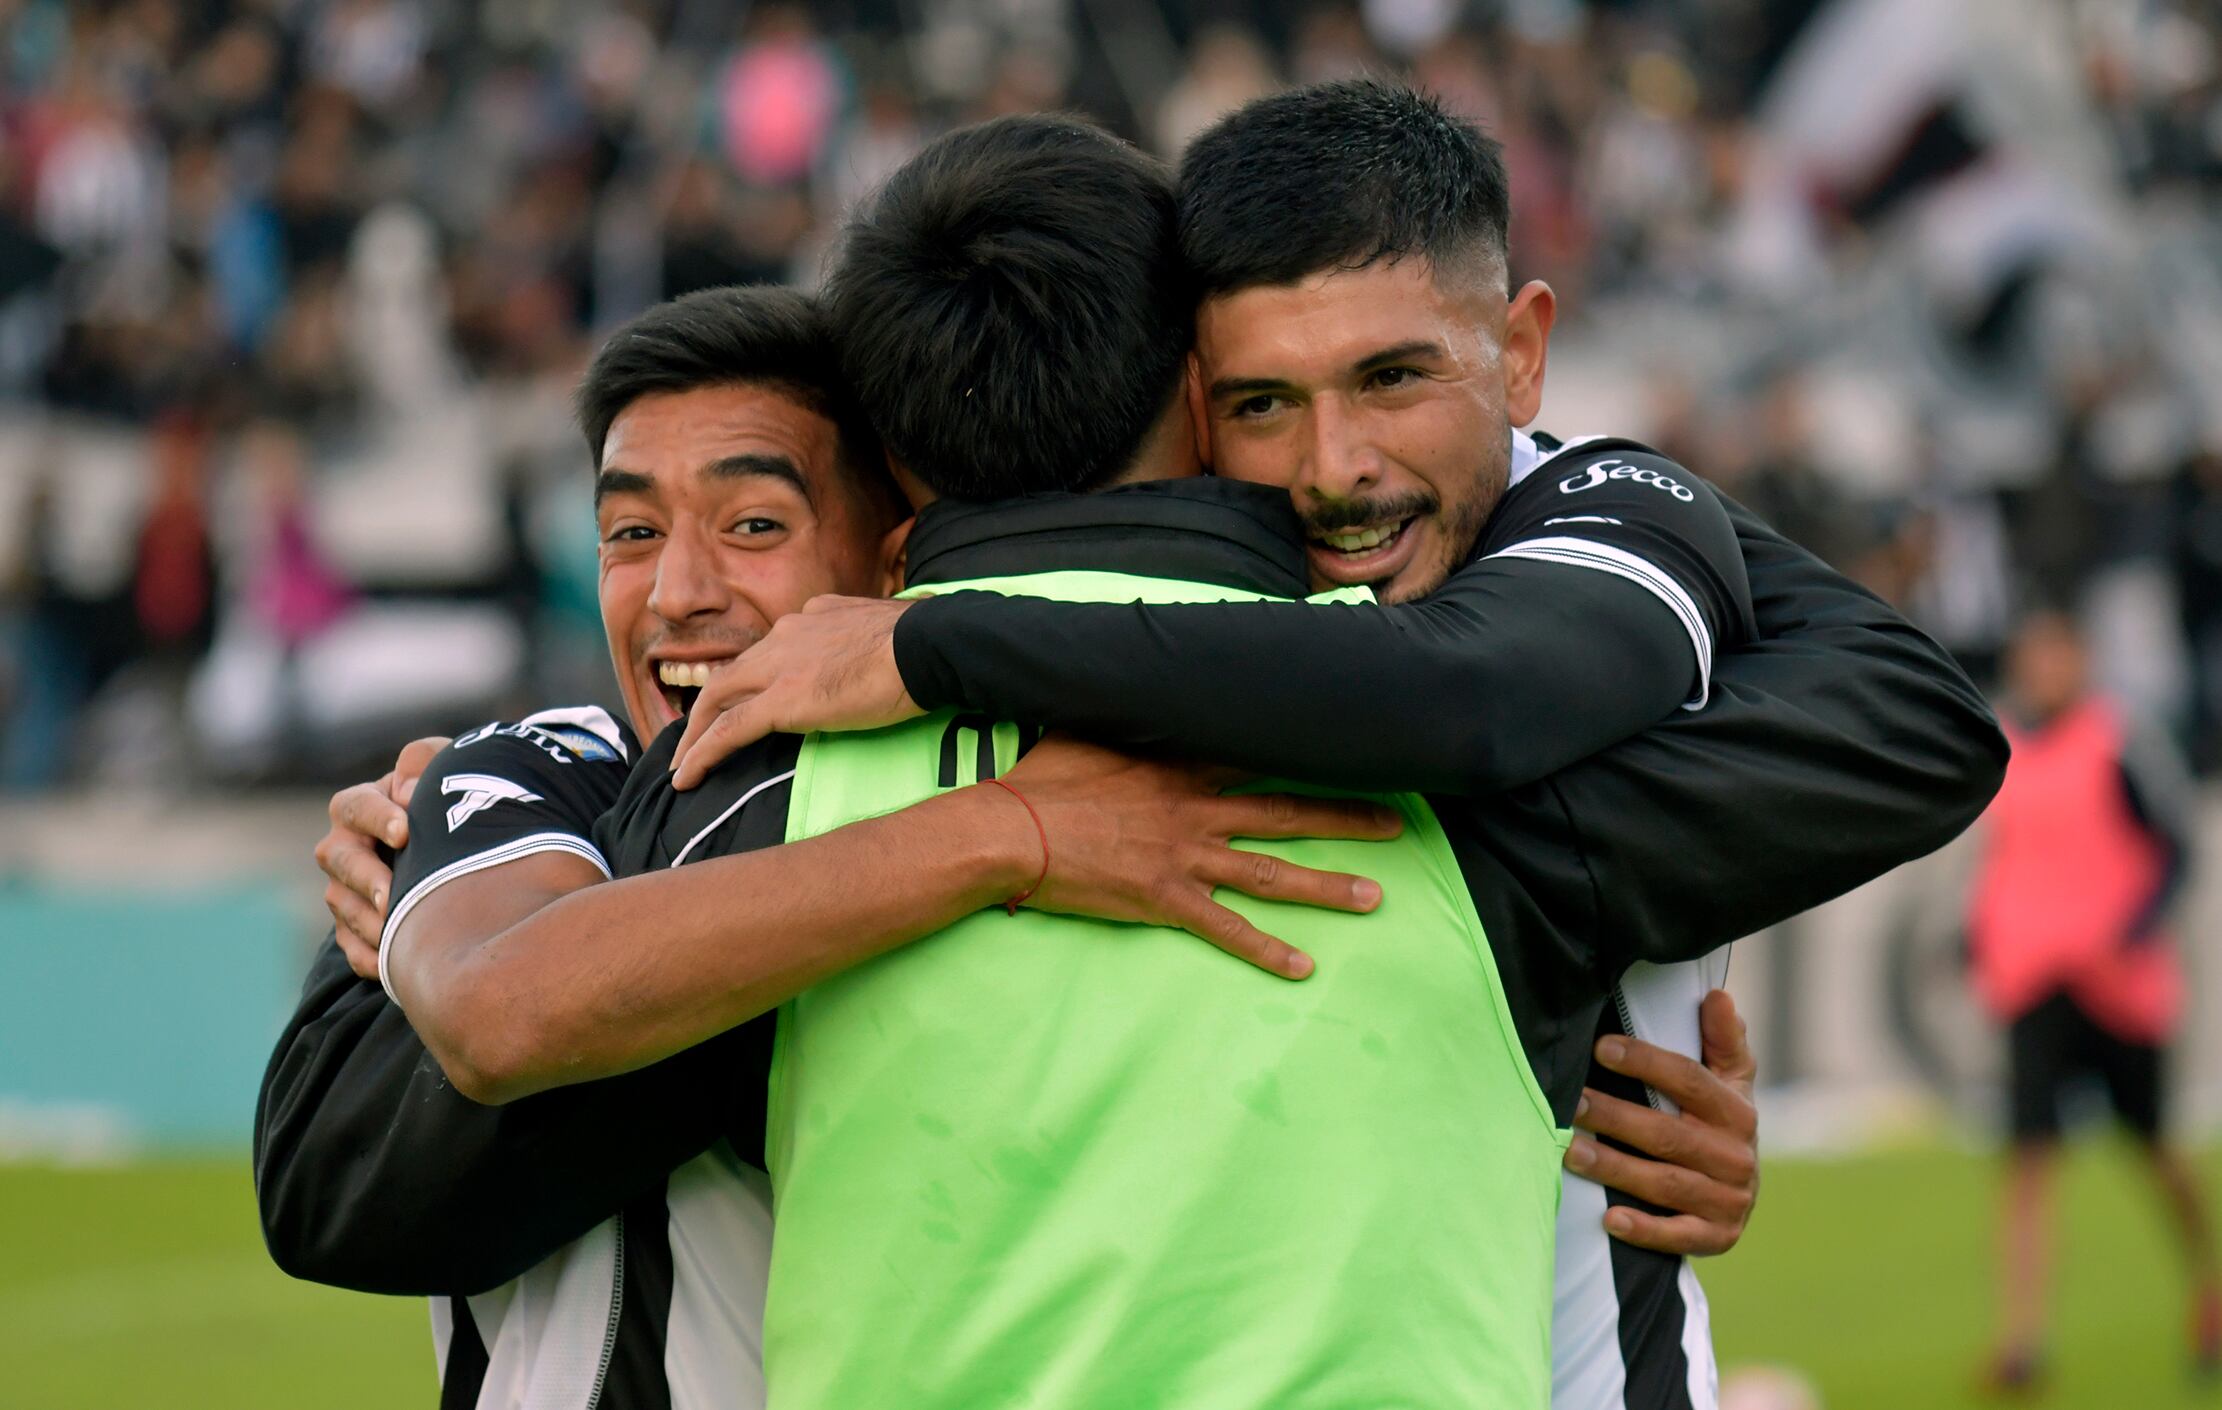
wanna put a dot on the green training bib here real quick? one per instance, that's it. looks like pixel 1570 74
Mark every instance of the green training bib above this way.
pixel 1044 1161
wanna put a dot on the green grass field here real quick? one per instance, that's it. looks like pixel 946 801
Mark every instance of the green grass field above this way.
pixel 147 1286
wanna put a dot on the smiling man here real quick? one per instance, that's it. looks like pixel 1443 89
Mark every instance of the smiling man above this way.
pixel 1358 345
pixel 1564 846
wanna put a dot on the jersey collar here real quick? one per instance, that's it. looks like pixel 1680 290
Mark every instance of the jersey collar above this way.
pixel 1203 530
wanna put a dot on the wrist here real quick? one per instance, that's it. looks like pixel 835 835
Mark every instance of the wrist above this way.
pixel 994 842
pixel 918 663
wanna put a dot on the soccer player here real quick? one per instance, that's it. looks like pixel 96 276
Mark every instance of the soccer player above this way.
pixel 1685 678
pixel 2086 849
pixel 1700 849
pixel 1357 346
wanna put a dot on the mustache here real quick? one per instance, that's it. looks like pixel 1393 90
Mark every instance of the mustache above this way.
pixel 1358 513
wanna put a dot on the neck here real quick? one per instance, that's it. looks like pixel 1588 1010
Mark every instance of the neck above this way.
pixel 1168 452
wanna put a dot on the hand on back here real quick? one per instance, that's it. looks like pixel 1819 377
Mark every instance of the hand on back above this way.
pixel 1148 841
pixel 1703 1165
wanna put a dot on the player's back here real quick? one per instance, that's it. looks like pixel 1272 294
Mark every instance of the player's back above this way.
pixel 1049 1160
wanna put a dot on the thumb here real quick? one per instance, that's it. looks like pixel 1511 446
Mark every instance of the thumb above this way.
pixel 1727 1039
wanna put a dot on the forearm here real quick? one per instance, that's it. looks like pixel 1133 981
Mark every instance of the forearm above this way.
pixel 373 1173
pixel 613 977
pixel 1525 668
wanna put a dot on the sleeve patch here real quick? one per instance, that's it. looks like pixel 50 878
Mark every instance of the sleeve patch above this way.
pixel 589 747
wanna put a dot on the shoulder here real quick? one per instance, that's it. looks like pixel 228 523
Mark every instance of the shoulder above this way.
pixel 509 790
pixel 512 781
pixel 1605 481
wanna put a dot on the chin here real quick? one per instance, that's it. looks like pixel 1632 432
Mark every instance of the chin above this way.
pixel 1418 580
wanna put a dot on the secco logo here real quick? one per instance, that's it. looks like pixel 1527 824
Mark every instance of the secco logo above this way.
pixel 480 792
pixel 1605 470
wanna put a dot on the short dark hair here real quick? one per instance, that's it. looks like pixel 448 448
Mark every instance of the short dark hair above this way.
pixel 1011 309
pixel 1337 176
pixel 760 335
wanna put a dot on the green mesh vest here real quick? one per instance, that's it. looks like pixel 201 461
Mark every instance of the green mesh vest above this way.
pixel 1053 1162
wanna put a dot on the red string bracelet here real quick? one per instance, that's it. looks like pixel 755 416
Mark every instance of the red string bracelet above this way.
pixel 1023 897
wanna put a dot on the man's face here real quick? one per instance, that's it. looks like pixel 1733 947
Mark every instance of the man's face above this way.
pixel 719 510
pixel 1383 399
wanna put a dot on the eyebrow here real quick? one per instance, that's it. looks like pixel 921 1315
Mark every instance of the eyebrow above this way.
pixel 609 482
pixel 1252 386
pixel 777 467
pixel 1402 352
pixel 731 467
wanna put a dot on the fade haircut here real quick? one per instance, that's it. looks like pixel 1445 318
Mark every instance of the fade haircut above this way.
pixel 1010 306
pixel 1339 176
pixel 761 336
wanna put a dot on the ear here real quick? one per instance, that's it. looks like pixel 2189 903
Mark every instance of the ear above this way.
pixel 1199 410
pixel 894 557
pixel 1526 346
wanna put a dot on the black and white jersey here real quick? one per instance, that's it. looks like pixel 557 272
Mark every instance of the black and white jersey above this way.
pixel 503 792
pixel 1618 508
pixel 1631 1329
pixel 659 1306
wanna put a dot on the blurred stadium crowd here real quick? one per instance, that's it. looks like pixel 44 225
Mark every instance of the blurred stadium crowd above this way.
pixel 292 293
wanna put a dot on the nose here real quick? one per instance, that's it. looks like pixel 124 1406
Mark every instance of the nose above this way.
pixel 688 583
pixel 1343 462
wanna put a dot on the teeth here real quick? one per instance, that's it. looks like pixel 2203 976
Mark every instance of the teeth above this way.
pixel 680 674
pixel 1359 540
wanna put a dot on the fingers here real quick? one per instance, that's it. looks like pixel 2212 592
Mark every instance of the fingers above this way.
pixel 356 926
pixel 716 740
pixel 362 956
pixel 1727 1041
pixel 1677 1140
pixel 1210 921
pixel 366 811
pixel 1684 1234
pixel 1687 1082
pixel 416 757
pixel 1269 878
pixel 1270 815
pixel 353 864
pixel 1670 1187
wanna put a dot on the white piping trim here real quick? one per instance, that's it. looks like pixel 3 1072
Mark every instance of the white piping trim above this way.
pixel 510 851
pixel 1583 553
pixel 736 805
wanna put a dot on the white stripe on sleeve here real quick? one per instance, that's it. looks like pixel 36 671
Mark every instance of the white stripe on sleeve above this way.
pixel 1604 557
pixel 479 861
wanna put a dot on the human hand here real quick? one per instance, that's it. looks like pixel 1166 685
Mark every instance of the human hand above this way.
pixel 363 816
pixel 1704 1164
pixel 830 666
pixel 1142 840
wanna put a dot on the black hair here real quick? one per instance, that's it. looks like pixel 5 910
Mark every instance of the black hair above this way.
pixel 761 335
pixel 1011 309
pixel 1338 176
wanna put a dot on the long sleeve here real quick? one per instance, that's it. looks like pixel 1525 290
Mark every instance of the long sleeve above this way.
pixel 373 1173
pixel 1587 615
pixel 1839 744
